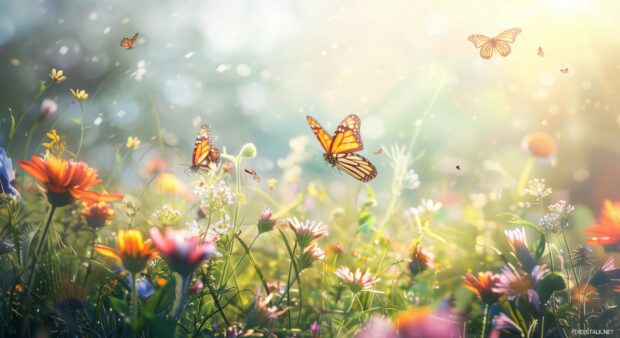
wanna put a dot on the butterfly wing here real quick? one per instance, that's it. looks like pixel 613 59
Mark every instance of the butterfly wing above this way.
pixel 478 40
pixel 502 48
pixel 357 166
pixel 509 35
pixel 204 153
pixel 321 134
pixel 127 43
pixel 347 138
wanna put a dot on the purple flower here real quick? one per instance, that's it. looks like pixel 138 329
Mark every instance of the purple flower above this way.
pixel 7 174
pixel 521 286
pixel 145 288
pixel 516 239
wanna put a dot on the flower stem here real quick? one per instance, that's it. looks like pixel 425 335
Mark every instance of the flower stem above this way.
pixel 484 320
pixel 77 153
pixel 549 248
pixel 572 264
pixel 134 300
pixel 30 133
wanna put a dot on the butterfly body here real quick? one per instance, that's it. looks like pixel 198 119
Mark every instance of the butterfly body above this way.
pixel 127 43
pixel 498 44
pixel 205 156
pixel 341 147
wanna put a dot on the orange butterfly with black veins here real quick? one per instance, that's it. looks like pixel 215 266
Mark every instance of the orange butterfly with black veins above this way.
pixel 205 157
pixel 127 43
pixel 500 44
pixel 341 147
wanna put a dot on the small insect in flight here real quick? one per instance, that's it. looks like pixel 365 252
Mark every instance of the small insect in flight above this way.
pixel 341 147
pixel 458 167
pixel 378 151
pixel 253 173
pixel 205 156
pixel 500 44
pixel 564 70
pixel 127 43
pixel 540 52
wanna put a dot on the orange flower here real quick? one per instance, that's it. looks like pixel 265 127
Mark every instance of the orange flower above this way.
pixel 65 181
pixel 607 231
pixel 132 252
pixel 482 286
pixel 97 214
pixel 540 144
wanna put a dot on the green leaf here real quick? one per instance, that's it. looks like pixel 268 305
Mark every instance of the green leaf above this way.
pixel 12 126
pixel 42 88
pixel 517 220
pixel 119 306
pixel 158 304
pixel 367 221
pixel 552 282
pixel 540 247
pixel 76 120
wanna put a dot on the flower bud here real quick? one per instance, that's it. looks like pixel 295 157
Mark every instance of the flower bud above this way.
pixel 248 150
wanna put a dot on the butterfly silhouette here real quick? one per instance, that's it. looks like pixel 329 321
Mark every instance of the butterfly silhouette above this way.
pixel 540 52
pixel 564 70
pixel 205 156
pixel 127 43
pixel 253 173
pixel 500 43
pixel 341 147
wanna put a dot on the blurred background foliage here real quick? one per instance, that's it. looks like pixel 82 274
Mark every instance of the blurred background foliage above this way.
pixel 253 70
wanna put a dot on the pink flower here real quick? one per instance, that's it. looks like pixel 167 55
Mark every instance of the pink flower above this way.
pixel 521 286
pixel 307 231
pixel 183 250
pixel 357 280
pixel 48 108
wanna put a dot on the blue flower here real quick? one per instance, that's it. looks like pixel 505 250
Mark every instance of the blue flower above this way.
pixel 7 174
pixel 145 288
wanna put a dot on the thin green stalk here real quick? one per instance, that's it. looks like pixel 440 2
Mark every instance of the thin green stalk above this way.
pixel 116 170
pixel 549 248
pixel 29 139
pixel 484 320
pixel 134 300
pixel 77 153
pixel 572 263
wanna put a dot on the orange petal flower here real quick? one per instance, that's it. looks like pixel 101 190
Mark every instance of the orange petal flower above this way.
pixel 607 231
pixel 541 144
pixel 97 214
pixel 65 181
pixel 132 251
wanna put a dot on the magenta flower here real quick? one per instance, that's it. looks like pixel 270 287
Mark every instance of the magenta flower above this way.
pixel 307 231
pixel 518 244
pixel 521 286
pixel 183 250
pixel 357 280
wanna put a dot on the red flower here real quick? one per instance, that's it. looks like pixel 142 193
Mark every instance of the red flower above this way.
pixel 182 250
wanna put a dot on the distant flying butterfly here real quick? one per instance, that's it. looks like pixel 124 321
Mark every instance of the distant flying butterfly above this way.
pixel 540 52
pixel 205 156
pixel 253 173
pixel 564 70
pixel 500 43
pixel 341 147
pixel 127 43
pixel 458 167
pixel 378 151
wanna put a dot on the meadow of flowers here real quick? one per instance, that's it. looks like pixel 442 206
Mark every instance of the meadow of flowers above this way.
pixel 230 254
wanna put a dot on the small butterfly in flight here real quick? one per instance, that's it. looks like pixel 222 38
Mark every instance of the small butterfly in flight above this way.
pixel 205 157
pixel 540 52
pixel 378 151
pixel 253 173
pixel 564 70
pixel 458 167
pixel 127 43
pixel 341 147
pixel 500 43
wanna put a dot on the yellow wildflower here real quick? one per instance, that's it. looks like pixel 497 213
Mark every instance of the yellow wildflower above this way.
pixel 56 145
pixel 132 143
pixel 79 94
pixel 57 75
pixel 271 183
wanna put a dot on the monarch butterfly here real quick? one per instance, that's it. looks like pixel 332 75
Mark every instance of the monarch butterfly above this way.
pixel 205 156
pixel 340 148
pixel 499 44
pixel 127 43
